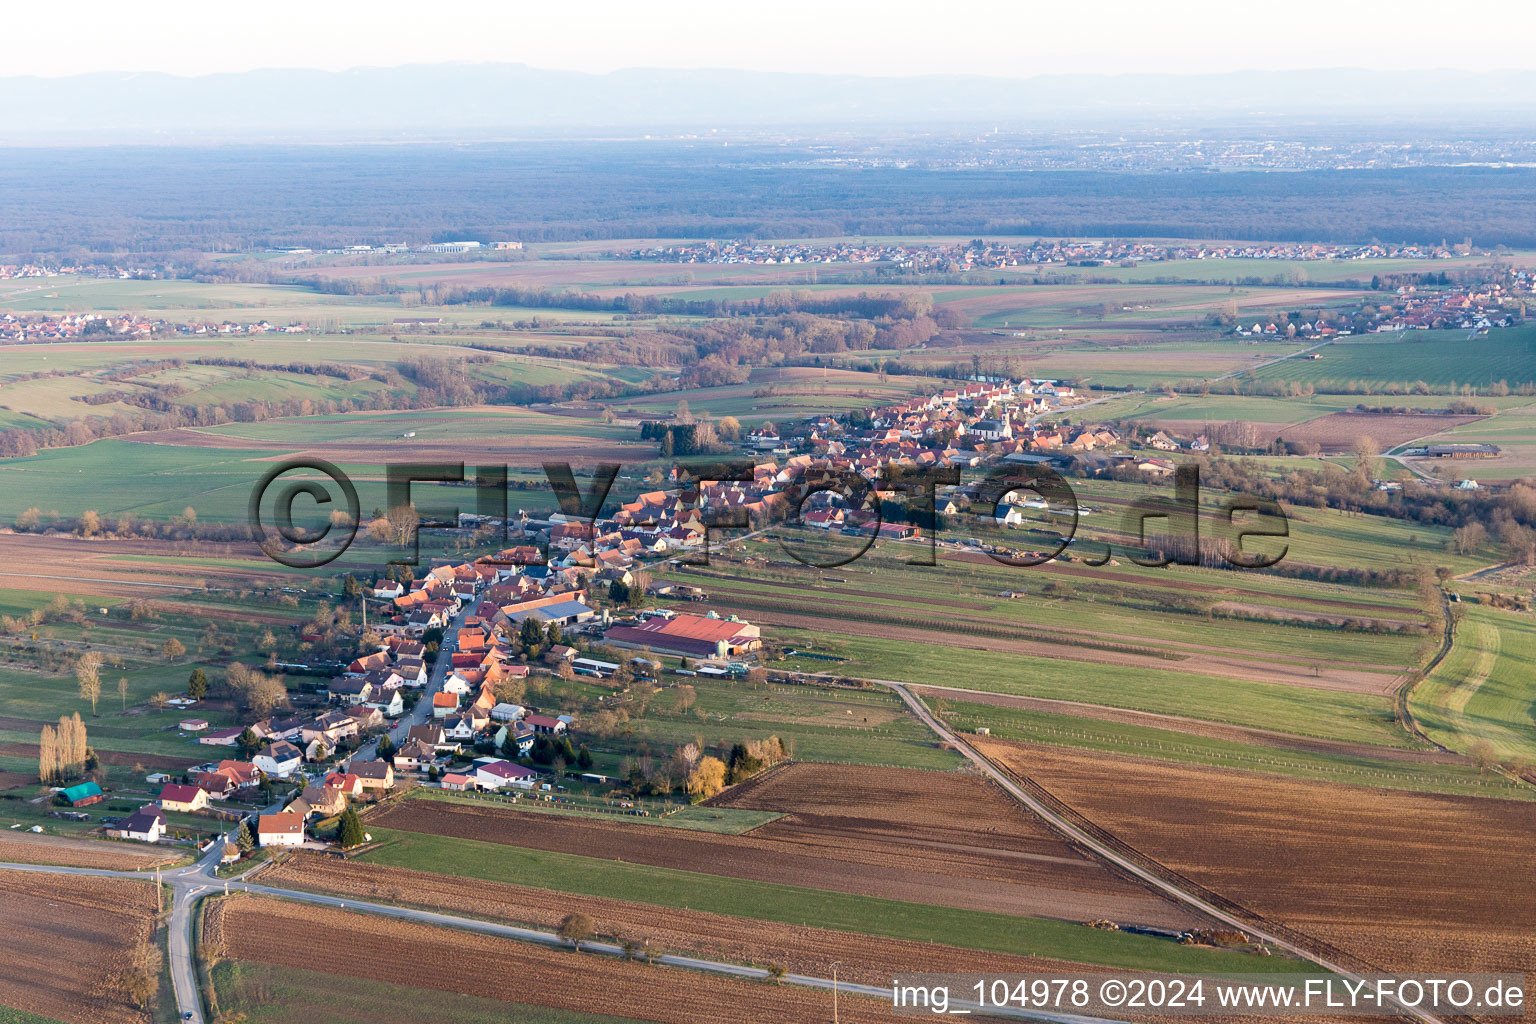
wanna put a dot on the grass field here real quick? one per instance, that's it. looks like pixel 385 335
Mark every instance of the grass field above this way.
pixel 1167 745
pixel 1438 358
pixel 1513 430
pixel 727 821
pixel 665 887
pixel 1484 692
pixel 10 1016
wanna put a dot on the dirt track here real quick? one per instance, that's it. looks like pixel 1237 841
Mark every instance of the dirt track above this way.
pixel 889 833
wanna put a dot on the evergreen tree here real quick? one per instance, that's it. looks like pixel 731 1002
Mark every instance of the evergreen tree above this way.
pixel 349 832
pixel 531 635
pixel 197 684
pixel 243 838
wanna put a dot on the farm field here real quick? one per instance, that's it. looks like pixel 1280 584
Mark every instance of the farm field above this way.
pixel 33 849
pixel 1513 430
pixel 1343 431
pixel 264 993
pixel 1334 862
pixel 801 950
pixel 1484 692
pixel 842 725
pixel 1438 358
pixel 412 955
pixel 110 923
pixel 797 907
pixel 1187 741
pixel 841 834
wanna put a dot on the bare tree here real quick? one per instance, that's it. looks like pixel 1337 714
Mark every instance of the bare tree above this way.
pixel 88 674
pixel 48 756
pixel 576 928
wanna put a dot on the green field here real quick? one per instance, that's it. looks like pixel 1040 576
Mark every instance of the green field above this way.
pixel 727 821
pixel 787 904
pixel 1438 358
pixel 10 1016
pixel 1484 692
pixel 1167 745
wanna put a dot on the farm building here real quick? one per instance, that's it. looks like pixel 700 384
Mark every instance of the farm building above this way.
pixel 507 712
pixel 83 795
pixel 192 724
pixel 544 725
pixel 1462 451
pixel 458 783
pixel 692 636
pixel 567 613
pixel 221 738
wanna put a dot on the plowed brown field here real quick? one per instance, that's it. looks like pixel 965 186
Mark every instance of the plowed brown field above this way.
pixel 865 959
pixel 924 837
pixel 1339 431
pixel 81 853
pixel 62 937
pixel 248 928
pixel 1402 880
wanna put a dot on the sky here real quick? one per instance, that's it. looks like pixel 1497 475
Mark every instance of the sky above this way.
pixel 1007 38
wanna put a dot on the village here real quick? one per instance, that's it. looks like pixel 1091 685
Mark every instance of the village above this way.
pixel 979 254
pixel 436 695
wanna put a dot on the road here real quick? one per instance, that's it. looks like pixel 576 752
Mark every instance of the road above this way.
pixel 421 714
pixel 1083 839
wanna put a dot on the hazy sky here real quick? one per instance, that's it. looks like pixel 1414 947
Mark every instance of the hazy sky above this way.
pixel 1015 38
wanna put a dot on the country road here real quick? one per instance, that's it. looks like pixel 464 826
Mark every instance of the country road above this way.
pixel 1083 839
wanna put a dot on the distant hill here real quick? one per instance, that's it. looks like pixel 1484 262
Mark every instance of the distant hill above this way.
pixel 447 101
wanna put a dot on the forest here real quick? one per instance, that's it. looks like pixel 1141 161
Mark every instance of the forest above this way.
pixel 185 200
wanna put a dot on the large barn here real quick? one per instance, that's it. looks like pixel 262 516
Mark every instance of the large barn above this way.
pixel 691 636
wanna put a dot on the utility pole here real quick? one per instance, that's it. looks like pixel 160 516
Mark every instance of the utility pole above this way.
pixel 835 964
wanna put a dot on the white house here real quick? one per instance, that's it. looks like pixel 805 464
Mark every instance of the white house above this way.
pixel 147 825
pixel 390 706
pixel 282 829
pixel 278 760
pixel 459 728
pixel 496 774
pixel 458 685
